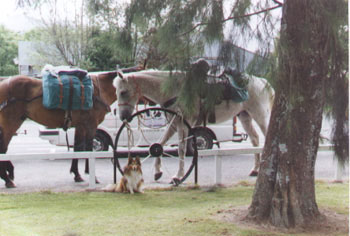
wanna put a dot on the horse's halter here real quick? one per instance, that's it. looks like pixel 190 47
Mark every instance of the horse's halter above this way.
pixel 137 94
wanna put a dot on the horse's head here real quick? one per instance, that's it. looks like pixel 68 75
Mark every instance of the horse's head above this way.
pixel 127 95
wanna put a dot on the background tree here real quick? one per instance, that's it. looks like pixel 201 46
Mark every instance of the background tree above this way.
pixel 8 52
pixel 312 65
pixel 80 35
pixel 312 68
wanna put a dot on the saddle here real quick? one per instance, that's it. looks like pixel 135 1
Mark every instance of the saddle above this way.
pixel 231 84
pixel 234 85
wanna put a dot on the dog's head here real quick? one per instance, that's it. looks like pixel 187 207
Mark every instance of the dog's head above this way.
pixel 134 164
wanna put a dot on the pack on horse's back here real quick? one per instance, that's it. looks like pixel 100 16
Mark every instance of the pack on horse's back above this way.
pixel 67 89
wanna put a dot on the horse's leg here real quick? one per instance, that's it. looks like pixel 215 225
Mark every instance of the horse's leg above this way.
pixel 79 145
pixel 6 167
pixel 74 169
pixel 10 169
pixel 158 162
pixel 182 134
pixel 3 174
pixel 247 124
pixel 158 168
pixel 261 115
pixel 89 147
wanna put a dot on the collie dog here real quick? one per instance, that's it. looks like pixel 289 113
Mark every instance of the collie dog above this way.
pixel 132 180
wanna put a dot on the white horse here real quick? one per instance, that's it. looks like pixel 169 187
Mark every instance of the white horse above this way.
pixel 133 86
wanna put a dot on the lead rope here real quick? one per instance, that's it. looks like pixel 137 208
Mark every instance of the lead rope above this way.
pixel 67 141
pixel 130 135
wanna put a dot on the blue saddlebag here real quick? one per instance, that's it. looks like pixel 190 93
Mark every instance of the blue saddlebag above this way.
pixel 57 91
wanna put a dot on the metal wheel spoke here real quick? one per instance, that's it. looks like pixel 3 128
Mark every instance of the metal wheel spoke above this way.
pixel 142 136
pixel 165 168
pixel 146 158
pixel 171 156
pixel 168 126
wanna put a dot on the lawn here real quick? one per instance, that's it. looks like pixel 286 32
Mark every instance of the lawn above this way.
pixel 178 211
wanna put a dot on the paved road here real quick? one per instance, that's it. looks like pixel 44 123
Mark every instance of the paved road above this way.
pixel 54 175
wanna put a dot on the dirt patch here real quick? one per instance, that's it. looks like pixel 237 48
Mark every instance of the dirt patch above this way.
pixel 331 223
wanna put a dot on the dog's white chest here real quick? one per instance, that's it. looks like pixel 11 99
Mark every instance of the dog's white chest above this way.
pixel 133 179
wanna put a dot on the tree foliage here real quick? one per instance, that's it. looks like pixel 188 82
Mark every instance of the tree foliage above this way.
pixel 337 92
pixel 8 52
pixel 171 34
pixel 79 34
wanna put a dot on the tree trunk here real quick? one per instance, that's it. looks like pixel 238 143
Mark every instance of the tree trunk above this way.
pixel 285 190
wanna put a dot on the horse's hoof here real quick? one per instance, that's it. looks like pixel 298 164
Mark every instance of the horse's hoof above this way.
pixel 78 179
pixel 158 176
pixel 10 184
pixel 12 177
pixel 175 181
pixel 253 173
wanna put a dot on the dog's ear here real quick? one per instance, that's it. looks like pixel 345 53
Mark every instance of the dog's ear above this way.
pixel 138 160
pixel 129 160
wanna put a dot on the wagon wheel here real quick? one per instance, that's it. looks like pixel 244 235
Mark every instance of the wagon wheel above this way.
pixel 142 135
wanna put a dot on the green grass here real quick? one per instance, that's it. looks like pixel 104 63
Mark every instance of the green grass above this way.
pixel 334 196
pixel 177 212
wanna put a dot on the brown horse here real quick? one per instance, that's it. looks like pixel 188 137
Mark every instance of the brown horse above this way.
pixel 21 98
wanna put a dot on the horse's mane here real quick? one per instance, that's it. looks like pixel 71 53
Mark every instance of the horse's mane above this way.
pixel 156 73
pixel 114 72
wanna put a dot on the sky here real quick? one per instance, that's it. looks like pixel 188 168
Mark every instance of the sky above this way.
pixel 20 20
pixel 15 19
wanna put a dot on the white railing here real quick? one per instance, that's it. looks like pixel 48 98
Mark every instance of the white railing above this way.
pixel 92 156
pixel 63 155
pixel 219 153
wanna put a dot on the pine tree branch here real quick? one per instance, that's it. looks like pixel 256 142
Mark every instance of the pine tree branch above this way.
pixel 279 4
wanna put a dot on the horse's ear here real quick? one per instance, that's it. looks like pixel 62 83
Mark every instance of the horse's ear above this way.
pixel 120 74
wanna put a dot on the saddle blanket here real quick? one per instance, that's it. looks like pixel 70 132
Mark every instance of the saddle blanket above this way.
pixel 66 88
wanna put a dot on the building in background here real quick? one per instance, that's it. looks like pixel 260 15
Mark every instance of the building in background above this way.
pixel 28 58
